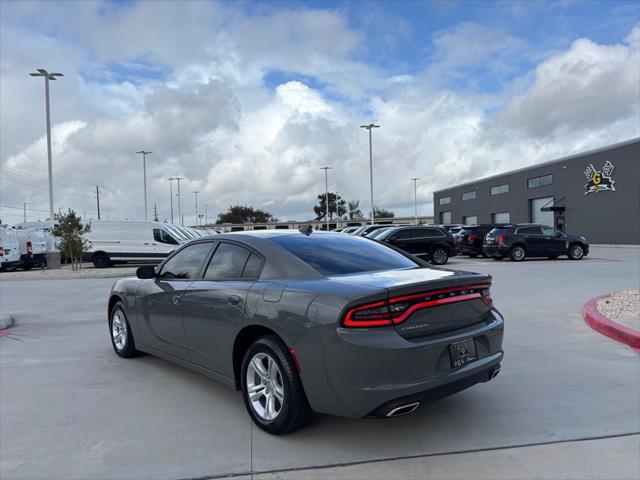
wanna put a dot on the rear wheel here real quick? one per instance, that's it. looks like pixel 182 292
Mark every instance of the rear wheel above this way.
pixel 101 260
pixel 271 387
pixel 576 252
pixel 517 253
pixel 121 336
pixel 439 256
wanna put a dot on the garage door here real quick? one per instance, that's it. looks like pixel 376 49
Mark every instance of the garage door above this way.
pixel 537 215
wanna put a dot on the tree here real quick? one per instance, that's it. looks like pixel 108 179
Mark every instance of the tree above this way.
pixel 354 210
pixel 70 229
pixel 382 213
pixel 337 206
pixel 244 214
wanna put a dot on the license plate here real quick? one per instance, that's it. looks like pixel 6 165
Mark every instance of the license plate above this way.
pixel 463 352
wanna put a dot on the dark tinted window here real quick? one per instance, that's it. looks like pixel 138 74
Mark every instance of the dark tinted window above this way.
pixel 227 262
pixel 403 234
pixel 186 262
pixel 340 254
pixel 529 231
pixel 161 236
pixel 253 267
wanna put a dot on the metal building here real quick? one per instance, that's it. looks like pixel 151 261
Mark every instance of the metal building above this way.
pixel 595 194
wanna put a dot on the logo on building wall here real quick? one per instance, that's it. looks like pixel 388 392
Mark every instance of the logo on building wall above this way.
pixel 599 180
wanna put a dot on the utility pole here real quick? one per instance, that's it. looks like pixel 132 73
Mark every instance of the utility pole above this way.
pixel 180 219
pixel 370 127
pixel 155 212
pixel 197 218
pixel 98 200
pixel 41 72
pixel 24 206
pixel 144 172
pixel 326 188
pixel 206 220
pixel 415 197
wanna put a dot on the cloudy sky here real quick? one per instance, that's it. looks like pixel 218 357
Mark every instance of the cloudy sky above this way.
pixel 247 100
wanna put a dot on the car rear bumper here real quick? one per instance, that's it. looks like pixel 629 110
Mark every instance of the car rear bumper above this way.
pixel 495 251
pixel 469 250
pixel 369 370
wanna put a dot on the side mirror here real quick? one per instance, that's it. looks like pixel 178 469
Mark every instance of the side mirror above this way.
pixel 146 272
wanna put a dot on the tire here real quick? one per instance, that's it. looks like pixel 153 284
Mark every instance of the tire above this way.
pixel 101 260
pixel 439 256
pixel 124 346
pixel 517 253
pixel 294 411
pixel 576 252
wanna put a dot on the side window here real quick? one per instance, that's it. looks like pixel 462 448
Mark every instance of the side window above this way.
pixel 163 237
pixel 253 267
pixel 227 263
pixel 186 262
pixel 549 232
pixel 402 234
pixel 530 231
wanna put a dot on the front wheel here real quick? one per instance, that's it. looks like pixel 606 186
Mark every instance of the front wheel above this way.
pixel 576 252
pixel 101 260
pixel 271 388
pixel 439 256
pixel 121 336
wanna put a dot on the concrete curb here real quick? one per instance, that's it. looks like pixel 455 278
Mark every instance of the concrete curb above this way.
pixel 6 320
pixel 607 327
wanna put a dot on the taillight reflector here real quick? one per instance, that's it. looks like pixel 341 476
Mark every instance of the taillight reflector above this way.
pixel 396 310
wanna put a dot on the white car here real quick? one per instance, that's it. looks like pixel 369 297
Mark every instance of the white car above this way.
pixel 33 247
pixel 121 241
pixel 9 248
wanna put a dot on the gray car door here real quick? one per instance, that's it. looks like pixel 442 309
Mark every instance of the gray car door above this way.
pixel 214 305
pixel 161 300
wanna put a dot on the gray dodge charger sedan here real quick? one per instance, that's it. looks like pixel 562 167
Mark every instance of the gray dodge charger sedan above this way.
pixel 303 321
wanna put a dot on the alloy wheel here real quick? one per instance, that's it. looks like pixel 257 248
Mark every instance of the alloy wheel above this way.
pixel 577 252
pixel 265 387
pixel 439 256
pixel 119 331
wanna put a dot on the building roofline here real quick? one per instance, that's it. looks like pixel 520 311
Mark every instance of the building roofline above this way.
pixel 543 164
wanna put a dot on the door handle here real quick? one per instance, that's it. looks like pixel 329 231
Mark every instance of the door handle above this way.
pixel 233 299
pixel 177 299
pixel 146 243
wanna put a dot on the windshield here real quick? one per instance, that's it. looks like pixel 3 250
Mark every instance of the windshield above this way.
pixel 339 254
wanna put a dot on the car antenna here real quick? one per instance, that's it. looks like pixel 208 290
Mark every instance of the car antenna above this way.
pixel 305 229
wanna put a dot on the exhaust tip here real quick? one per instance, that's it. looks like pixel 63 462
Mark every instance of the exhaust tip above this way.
pixel 402 410
pixel 494 373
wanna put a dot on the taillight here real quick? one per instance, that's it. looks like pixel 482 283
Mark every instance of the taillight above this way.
pixel 501 239
pixel 29 248
pixel 396 310
pixel 472 238
pixel 1 252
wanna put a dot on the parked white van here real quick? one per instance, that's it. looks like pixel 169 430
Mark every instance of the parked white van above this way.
pixel 9 248
pixel 33 247
pixel 120 241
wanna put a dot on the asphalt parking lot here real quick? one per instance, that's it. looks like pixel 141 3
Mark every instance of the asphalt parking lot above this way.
pixel 72 409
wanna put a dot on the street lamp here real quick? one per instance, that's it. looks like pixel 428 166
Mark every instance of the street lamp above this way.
pixel 144 170
pixel 326 187
pixel 370 127
pixel 415 197
pixel 171 195
pixel 197 218
pixel 41 72
pixel 25 213
pixel 179 206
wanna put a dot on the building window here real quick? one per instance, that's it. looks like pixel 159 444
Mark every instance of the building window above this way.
pixel 540 181
pixel 445 217
pixel 469 195
pixel 470 220
pixel 445 200
pixel 498 189
pixel 501 217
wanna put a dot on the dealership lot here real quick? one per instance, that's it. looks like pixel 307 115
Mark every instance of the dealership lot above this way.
pixel 72 409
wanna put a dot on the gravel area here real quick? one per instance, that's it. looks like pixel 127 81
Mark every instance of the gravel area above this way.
pixel 87 271
pixel 623 307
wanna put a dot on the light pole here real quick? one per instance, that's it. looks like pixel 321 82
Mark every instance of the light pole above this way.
pixel 197 218
pixel 144 171
pixel 25 213
pixel 326 187
pixel 370 127
pixel 41 72
pixel 171 194
pixel 415 197
pixel 179 205
pixel 206 220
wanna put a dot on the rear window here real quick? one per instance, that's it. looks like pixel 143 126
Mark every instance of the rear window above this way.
pixel 497 231
pixel 338 254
